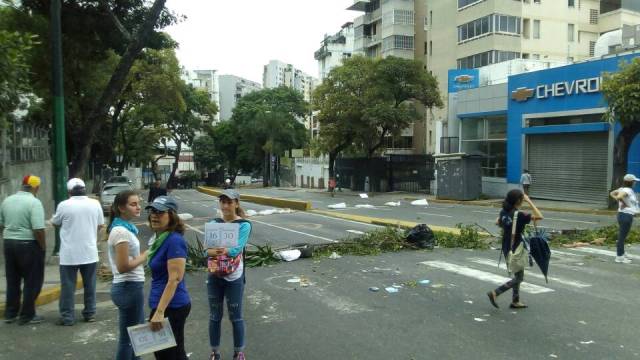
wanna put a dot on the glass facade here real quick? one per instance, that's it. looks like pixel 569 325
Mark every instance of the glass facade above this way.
pixel 490 24
pixel 486 58
pixel 487 137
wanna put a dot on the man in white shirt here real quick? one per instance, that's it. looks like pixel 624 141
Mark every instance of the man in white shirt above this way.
pixel 525 181
pixel 79 219
pixel 628 207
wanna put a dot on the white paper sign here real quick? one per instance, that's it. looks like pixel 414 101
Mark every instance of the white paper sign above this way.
pixel 145 341
pixel 223 235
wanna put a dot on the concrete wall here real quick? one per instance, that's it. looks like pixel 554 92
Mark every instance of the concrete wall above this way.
pixel 496 187
pixel 13 182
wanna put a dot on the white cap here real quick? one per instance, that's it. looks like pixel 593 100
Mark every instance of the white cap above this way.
pixel 227 181
pixel 630 177
pixel 75 183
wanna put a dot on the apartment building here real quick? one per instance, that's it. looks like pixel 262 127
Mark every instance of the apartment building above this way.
pixel 467 34
pixel 206 80
pixel 464 34
pixel 232 88
pixel 333 49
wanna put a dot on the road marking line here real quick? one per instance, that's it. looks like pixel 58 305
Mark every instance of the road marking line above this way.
pixel 485 212
pixel 565 253
pixel 441 215
pixel 345 220
pixel 356 232
pixel 503 266
pixel 603 252
pixel 194 229
pixel 295 231
pixel 484 276
pixel 572 221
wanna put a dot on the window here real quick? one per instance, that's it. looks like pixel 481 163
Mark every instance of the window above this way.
pixel 536 29
pixel 571 3
pixel 486 136
pixel 537 1
pixel 430 48
pixel 526 28
pixel 486 58
pixel 535 56
pixel 488 25
pixel 592 48
pixel 571 33
pixel 464 3
pixel 593 16
pixel 397 42
pixel 398 17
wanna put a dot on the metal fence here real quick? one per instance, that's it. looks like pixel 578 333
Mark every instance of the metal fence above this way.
pixel 21 142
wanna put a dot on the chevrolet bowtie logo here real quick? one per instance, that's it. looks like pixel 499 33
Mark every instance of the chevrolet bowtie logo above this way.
pixel 463 79
pixel 521 94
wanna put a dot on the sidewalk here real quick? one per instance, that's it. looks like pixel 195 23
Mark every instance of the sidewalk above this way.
pixel 51 287
pixel 548 205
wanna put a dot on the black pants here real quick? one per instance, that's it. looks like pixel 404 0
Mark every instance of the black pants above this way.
pixel 513 284
pixel 177 319
pixel 24 260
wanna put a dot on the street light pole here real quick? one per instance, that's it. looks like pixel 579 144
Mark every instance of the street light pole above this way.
pixel 60 170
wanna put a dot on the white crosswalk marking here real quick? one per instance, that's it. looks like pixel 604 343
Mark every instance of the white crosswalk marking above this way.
pixel 564 253
pixel 503 266
pixel 484 276
pixel 603 252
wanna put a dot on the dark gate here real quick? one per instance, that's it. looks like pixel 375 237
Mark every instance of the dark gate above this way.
pixel 412 173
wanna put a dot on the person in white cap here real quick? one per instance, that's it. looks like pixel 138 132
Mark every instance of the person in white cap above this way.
pixel 628 207
pixel 79 218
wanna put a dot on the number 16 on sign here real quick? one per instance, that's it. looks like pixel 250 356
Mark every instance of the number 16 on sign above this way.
pixel 221 235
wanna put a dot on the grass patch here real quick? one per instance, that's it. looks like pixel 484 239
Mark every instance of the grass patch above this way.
pixel 469 238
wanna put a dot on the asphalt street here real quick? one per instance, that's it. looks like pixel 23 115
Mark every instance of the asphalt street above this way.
pixel 433 214
pixel 438 310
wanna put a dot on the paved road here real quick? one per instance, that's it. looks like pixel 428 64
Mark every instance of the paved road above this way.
pixel 434 214
pixel 588 310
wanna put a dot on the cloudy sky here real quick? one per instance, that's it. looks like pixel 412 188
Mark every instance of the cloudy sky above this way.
pixel 240 36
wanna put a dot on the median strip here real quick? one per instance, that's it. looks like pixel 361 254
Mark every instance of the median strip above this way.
pixel 262 200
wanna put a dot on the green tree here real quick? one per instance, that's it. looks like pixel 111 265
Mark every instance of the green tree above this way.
pixel 622 92
pixel 267 122
pixel 14 71
pixel 101 41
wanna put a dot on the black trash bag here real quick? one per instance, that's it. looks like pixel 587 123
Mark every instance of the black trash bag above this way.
pixel 422 237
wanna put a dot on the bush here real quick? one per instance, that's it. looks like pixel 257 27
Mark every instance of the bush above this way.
pixel 608 233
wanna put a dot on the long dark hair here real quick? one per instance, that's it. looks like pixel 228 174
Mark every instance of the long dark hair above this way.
pixel 121 200
pixel 513 198
pixel 175 223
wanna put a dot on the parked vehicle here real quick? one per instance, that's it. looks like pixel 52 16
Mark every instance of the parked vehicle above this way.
pixel 109 192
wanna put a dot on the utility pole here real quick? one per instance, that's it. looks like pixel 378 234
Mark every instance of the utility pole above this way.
pixel 60 169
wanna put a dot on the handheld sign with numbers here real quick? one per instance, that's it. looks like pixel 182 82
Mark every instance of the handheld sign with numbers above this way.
pixel 223 235
pixel 145 341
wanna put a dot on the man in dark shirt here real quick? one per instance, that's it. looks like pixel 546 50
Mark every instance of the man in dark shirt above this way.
pixel 156 190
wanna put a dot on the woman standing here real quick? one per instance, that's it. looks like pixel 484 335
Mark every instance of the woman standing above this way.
pixel 628 207
pixel 226 278
pixel 127 291
pixel 168 296
pixel 511 239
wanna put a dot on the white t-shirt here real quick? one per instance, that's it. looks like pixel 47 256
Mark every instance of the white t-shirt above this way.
pixel 525 179
pixel 78 218
pixel 118 235
pixel 631 201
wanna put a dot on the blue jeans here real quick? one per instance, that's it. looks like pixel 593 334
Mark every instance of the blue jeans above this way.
pixel 68 278
pixel 624 220
pixel 128 296
pixel 219 288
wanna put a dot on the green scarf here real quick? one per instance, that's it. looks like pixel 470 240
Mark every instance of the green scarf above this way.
pixel 156 245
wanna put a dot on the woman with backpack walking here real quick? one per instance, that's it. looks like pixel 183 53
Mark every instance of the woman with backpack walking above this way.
pixel 226 278
pixel 126 261
pixel 513 222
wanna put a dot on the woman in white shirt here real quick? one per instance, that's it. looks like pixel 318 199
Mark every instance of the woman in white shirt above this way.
pixel 127 290
pixel 628 207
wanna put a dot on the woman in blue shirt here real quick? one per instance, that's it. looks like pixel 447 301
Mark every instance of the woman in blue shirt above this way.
pixel 226 278
pixel 168 296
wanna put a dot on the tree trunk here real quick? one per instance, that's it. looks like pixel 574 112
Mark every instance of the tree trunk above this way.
pixel 97 116
pixel 377 146
pixel 621 157
pixel 176 161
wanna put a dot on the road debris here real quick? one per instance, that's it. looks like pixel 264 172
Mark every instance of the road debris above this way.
pixel 421 202
pixel 338 206
pixel 391 290
pixel 334 256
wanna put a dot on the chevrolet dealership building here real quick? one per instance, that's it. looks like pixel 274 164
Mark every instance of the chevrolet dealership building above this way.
pixel 547 119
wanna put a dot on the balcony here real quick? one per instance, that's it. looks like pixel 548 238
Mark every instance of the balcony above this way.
pixel 359 5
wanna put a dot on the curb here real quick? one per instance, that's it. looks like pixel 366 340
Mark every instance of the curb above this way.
pixel 386 222
pixel 263 200
pixel 47 295
pixel 497 204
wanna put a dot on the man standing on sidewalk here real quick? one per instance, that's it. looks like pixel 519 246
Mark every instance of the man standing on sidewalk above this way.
pixel 79 219
pixel 22 225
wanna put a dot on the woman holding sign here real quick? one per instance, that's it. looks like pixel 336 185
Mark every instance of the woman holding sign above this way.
pixel 168 296
pixel 226 272
pixel 127 291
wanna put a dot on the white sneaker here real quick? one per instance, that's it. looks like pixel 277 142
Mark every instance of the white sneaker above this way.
pixel 623 260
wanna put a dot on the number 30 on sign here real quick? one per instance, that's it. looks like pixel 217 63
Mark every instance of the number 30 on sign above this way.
pixel 221 235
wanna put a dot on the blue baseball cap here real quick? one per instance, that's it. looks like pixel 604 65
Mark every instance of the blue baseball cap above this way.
pixel 163 203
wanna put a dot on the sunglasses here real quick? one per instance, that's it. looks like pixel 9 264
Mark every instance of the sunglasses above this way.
pixel 156 211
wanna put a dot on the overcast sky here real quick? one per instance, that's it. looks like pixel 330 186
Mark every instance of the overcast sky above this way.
pixel 239 37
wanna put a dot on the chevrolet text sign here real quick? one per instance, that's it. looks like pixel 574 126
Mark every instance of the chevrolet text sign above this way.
pixel 568 88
